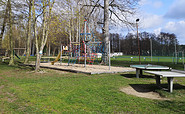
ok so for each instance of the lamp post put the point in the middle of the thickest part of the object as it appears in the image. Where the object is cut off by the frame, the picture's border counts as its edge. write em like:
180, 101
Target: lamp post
137, 20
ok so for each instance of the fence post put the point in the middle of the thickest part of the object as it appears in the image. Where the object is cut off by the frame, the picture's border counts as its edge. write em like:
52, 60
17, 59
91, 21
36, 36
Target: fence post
183, 57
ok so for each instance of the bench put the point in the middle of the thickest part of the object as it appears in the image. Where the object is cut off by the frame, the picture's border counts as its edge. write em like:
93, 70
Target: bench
5, 58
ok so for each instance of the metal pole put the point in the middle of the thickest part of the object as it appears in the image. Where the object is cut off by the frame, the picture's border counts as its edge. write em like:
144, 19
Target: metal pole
183, 57
175, 53
79, 31
119, 44
109, 57
138, 40
85, 42
85, 54
151, 48
61, 55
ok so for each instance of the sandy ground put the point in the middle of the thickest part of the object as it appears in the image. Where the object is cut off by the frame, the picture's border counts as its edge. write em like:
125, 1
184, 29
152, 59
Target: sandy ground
90, 69
142, 92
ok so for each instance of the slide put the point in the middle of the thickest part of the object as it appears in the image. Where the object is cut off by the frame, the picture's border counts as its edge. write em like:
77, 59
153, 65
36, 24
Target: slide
58, 57
17, 56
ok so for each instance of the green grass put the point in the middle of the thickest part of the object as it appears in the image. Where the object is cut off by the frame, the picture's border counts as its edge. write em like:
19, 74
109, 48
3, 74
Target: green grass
148, 58
23, 91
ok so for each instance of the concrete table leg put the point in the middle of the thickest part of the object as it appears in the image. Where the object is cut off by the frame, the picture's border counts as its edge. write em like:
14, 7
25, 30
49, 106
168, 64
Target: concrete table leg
158, 80
170, 84
137, 73
141, 72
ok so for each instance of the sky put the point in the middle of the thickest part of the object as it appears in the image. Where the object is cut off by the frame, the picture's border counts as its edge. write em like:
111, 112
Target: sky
162, 16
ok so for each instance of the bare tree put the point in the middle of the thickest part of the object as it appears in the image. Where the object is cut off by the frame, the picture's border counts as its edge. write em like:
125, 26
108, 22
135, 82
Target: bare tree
11, 62
4, 24
28, 31
45, 28
115, 10
106, 32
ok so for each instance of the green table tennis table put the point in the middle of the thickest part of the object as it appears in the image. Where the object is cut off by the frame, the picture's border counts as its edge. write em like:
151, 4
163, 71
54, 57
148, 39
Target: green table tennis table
140, 68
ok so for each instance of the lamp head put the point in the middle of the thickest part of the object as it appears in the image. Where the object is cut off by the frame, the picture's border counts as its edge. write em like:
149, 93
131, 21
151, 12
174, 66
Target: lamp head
137, 20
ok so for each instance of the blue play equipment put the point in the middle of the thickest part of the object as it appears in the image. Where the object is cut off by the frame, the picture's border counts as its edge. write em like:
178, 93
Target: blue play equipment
85, 50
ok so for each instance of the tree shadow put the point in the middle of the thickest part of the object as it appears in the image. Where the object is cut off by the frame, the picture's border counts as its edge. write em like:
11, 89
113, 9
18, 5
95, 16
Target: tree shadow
144, 87
134, 76
154, 87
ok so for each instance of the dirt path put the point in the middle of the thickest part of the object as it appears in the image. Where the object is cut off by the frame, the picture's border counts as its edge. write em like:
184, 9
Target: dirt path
140, 92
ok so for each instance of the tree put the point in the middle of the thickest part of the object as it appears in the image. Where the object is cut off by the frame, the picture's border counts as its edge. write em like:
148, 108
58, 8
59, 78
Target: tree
45, 28
28, 32
11, 62
4, 24
106, 32
115, 9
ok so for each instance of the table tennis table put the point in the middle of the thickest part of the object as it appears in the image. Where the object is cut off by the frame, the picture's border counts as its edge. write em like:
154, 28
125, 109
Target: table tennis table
169, 74
140, 68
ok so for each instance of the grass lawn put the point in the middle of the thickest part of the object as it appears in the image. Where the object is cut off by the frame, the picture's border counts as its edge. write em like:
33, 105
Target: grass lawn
23, 91
148, 58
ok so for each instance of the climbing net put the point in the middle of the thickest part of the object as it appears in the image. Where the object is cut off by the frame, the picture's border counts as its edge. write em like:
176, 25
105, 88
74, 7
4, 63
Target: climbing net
89, 48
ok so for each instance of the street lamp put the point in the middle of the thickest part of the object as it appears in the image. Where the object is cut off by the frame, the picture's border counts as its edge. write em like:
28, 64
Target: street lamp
137, 20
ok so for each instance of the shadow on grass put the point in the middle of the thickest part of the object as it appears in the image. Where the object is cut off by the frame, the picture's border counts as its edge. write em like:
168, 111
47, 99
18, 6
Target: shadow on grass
144, 87
134, 76
154, 87
17, 65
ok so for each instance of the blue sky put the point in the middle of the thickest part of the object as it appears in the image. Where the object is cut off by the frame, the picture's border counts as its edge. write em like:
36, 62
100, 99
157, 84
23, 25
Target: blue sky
162, 16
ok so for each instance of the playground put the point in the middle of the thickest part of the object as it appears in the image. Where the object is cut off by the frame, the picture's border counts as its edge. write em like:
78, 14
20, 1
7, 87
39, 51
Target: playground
83, 55
91, 57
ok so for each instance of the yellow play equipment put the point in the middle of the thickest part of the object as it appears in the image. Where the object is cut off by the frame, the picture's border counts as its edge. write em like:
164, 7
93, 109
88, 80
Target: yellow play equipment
58, 57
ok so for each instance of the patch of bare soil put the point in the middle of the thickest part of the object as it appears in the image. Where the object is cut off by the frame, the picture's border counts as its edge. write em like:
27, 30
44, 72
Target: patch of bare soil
142, 92
2, 86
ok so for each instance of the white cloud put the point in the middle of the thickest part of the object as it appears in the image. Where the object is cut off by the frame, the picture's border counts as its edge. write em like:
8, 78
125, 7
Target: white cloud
177, 28
176, 10
171, 26
143, 2
157, 31
155, 4
151, 21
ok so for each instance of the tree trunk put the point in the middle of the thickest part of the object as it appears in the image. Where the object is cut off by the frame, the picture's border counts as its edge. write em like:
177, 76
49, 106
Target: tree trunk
44, 32
11, 62
33, 48
28, 32
49, 49
37, 62
4, 24
106, 32
54, 51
